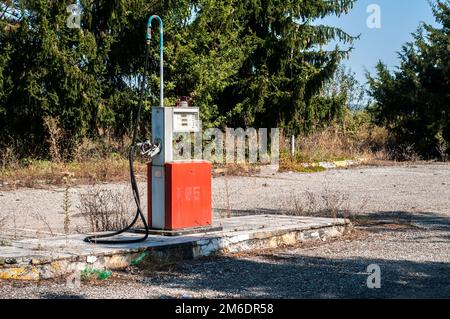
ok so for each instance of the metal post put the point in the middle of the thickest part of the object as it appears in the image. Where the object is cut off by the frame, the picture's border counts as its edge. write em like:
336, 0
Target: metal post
293, 145
161, 50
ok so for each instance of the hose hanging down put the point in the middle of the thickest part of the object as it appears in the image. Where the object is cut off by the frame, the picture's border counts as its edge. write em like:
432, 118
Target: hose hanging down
146, 148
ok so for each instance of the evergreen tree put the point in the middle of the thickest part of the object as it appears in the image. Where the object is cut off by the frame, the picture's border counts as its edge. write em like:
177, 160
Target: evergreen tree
414, 101
278, 80
249, 62
73, 75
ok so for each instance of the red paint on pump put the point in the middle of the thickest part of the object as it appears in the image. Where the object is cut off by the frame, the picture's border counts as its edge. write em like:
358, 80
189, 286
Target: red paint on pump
188, 195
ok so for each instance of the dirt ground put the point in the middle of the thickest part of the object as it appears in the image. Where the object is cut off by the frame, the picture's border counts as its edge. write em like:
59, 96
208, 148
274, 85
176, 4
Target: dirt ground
402, 213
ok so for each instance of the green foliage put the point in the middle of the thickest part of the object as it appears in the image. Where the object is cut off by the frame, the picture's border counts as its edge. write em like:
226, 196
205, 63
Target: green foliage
89, 273
344, 84
279, 79
414, 101
251, 62
50, 70
139, 259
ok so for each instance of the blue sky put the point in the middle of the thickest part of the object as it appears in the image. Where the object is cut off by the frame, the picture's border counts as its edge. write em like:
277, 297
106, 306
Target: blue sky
399, 18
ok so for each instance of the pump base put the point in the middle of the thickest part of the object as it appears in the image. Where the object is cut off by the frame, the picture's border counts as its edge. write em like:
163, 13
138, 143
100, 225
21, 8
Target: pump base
180, 232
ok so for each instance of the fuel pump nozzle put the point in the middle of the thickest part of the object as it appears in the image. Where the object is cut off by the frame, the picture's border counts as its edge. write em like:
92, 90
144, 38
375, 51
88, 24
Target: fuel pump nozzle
150, 149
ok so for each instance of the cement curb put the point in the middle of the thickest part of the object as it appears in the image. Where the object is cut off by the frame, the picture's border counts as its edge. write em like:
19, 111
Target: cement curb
48, 264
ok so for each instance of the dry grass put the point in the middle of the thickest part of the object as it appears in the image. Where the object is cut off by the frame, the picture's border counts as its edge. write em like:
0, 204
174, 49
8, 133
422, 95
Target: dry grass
8, 158
41, 173
235, 169
42, 219
3, 220
328, 203
55, 137
91, 161
115, 168
353, 138
66, 206
104, 160
105, 209
334, 144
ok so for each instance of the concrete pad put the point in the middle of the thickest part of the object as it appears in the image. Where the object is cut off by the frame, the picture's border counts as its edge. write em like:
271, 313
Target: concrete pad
35, 259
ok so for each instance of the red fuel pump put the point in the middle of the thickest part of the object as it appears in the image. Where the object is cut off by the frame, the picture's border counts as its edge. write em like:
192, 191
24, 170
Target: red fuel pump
179, 192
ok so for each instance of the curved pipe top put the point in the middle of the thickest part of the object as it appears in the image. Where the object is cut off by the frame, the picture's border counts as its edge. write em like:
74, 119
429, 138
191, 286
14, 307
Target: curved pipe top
161, 49
149, 27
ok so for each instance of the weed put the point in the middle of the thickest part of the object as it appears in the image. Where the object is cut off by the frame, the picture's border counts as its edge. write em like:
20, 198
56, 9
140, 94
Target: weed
443, 147
5, 243
44, 220
8, 158
89, 274
227, 198
139, 259
3, 221
235, 169
327, 203
105, 209
66, 209
55, 138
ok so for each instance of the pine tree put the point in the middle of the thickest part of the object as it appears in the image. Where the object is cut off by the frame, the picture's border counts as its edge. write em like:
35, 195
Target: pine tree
414, 102
246, 62
278, 80
74, 75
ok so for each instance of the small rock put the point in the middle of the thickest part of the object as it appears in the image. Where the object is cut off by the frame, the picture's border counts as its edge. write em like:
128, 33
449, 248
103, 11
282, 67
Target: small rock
91, 259
35, 261
10, 261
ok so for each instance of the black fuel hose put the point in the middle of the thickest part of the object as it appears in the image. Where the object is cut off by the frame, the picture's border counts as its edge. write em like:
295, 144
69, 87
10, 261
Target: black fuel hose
99, 239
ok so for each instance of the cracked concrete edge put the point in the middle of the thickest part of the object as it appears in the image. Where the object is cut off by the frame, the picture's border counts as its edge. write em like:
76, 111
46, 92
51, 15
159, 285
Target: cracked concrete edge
188, 250
28, 255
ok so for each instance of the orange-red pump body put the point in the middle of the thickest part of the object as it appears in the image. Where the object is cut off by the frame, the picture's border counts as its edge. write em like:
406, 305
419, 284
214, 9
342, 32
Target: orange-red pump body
187, 195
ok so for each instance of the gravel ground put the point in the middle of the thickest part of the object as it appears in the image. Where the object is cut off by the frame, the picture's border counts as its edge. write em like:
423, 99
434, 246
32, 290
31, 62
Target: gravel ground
405, 230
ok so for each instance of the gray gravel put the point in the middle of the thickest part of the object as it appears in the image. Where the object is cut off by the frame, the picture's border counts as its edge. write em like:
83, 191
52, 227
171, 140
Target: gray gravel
406, 232
401, 188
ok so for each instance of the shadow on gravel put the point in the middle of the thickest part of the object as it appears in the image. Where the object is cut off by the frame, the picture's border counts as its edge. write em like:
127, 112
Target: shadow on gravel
287, 276
427, 220
61, 296
421, 219
225, 213
284, 275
